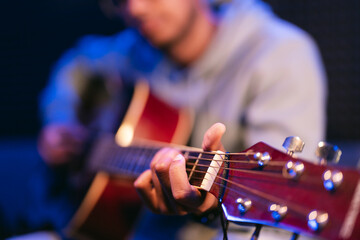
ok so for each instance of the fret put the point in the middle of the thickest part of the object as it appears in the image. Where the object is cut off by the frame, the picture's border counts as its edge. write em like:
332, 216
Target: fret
123, 153
112, 161
131, 160
139, 160
195, 164
144, 161
128, 159
119, 152
134, 161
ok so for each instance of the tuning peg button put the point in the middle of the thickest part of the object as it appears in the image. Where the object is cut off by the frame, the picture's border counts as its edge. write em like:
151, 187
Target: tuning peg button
327, 152
262, 158
278, 212
243, 204
332, 179
293, 170
317, 220
293, 144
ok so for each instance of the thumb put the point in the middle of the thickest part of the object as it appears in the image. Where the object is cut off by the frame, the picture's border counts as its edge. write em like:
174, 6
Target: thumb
212, 138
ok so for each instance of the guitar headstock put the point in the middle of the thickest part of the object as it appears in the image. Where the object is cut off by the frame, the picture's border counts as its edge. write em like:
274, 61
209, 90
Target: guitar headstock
262, 185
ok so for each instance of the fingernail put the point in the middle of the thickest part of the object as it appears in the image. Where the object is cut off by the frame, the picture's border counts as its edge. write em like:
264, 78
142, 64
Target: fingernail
179, 157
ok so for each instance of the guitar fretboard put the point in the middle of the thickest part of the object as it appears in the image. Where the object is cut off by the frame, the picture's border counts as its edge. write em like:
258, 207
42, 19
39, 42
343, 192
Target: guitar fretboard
131, 161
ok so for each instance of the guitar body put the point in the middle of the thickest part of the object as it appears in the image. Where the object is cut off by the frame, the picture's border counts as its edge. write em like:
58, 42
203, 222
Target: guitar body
111, 204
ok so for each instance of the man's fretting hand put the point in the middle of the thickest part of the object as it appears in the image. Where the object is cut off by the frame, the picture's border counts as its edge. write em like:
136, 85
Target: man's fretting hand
165, 187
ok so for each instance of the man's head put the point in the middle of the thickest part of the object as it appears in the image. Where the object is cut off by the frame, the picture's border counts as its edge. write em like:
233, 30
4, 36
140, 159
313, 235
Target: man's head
163, 22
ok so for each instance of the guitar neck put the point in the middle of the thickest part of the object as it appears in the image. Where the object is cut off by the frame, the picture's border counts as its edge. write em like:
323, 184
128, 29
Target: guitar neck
131, 161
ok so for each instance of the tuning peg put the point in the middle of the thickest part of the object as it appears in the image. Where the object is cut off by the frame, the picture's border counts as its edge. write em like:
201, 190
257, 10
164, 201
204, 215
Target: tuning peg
262, 158
327, 152
293, 144
293, 170
243, 204
317, 220
278, 212
332, 179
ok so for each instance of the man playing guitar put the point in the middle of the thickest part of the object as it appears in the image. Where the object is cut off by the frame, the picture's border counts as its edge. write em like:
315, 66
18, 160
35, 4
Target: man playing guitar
238, 64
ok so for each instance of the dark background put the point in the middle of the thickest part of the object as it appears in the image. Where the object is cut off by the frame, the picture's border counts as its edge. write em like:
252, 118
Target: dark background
33, 35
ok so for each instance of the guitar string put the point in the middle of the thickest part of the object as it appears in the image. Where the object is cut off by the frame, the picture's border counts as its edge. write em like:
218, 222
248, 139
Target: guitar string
141, 167
245, 161
254, 192
144, 167
263, 195
296, 210
226, 154
138, 168
213, 153
134, 167
295, 207
239, 161
311, 180
271, 174
305, 182
152, 148
136, 148
182, 150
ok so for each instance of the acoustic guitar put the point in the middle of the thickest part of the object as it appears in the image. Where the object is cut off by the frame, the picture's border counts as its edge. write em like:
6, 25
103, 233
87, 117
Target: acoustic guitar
111, 205
259, 186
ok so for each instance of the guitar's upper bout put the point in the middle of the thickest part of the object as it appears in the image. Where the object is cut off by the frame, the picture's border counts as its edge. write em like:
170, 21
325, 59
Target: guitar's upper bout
150, 118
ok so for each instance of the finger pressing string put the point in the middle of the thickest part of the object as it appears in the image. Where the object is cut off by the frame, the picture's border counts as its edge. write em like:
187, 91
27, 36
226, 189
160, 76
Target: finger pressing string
182, 191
